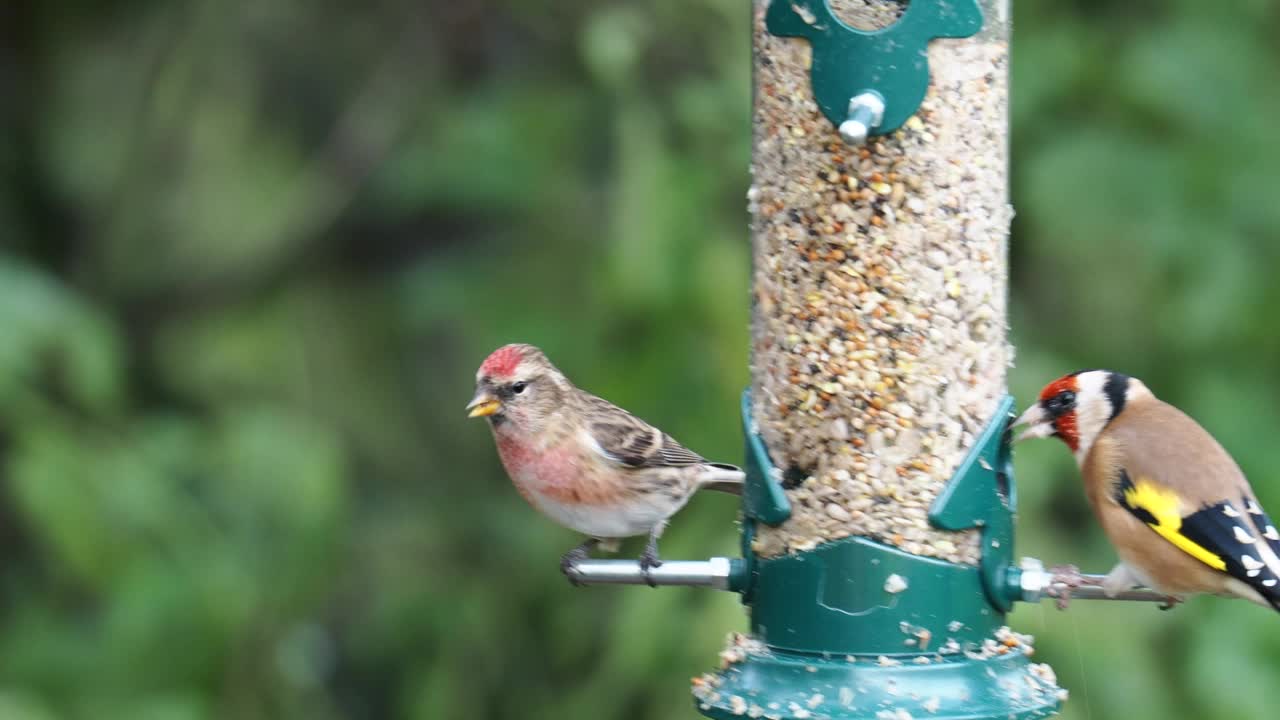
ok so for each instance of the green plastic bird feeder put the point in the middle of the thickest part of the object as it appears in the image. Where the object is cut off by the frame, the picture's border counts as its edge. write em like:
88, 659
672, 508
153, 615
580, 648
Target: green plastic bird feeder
876, 296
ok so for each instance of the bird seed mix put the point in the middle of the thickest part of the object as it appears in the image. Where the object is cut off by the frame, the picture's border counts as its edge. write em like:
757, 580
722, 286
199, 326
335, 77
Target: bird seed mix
880, 275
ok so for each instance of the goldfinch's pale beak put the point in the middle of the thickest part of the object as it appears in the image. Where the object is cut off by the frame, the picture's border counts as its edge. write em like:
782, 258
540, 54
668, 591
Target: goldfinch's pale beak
483, 405
1040, 424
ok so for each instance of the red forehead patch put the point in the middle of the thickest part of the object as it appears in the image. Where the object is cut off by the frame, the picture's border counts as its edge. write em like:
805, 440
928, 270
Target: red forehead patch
503, 361
1066, 382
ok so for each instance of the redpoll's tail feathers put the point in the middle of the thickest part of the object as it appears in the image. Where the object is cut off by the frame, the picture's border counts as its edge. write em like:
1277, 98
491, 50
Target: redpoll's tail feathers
723, 477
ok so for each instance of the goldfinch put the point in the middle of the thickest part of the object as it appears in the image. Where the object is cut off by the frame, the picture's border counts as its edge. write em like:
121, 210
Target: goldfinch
584, 462
1178, 509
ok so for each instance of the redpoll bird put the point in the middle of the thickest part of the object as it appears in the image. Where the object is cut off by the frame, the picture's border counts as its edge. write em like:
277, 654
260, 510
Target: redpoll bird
1175, 505
584, 462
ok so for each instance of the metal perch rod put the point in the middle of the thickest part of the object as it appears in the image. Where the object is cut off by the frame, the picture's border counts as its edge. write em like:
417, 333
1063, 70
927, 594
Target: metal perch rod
718, 572
714, 573
1094, 592
1036, 582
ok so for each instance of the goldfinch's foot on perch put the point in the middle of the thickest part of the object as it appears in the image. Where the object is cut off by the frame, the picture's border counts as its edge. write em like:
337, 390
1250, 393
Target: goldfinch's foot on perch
1066, 578
1170, 602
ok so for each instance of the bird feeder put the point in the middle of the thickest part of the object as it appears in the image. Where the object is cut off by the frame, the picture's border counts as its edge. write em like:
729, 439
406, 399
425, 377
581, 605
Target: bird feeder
878, 510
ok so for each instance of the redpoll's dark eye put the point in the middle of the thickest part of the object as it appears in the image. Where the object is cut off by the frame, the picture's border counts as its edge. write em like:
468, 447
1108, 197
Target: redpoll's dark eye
519, 387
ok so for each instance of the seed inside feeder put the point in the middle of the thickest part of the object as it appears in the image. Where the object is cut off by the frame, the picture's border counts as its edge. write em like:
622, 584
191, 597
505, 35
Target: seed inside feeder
879, 349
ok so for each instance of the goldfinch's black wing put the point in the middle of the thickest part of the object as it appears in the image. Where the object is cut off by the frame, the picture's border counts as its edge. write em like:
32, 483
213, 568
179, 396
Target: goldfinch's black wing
1270, 537
1233, 536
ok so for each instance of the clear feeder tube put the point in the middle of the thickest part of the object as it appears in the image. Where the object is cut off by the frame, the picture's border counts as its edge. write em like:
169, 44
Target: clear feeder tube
880, 280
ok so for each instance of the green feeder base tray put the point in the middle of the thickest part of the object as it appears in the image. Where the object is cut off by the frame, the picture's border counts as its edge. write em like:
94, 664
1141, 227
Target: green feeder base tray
873, 630
795, 687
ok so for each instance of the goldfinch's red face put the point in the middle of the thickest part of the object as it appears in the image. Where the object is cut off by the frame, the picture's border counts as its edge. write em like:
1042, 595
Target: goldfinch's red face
1076, 408
1054, 414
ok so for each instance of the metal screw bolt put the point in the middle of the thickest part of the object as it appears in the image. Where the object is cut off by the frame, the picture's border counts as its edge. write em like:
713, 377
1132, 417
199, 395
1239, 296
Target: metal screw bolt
1034, 579
866, 111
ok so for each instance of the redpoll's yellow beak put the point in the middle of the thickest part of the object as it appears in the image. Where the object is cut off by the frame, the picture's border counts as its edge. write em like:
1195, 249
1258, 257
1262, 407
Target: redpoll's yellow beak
483, 405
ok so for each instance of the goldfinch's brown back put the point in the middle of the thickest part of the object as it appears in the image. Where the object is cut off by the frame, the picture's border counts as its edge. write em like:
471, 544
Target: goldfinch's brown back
1159, 466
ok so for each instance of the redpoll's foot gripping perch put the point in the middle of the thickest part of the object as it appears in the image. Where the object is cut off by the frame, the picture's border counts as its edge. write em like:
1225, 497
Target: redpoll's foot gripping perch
649, 558
570, 560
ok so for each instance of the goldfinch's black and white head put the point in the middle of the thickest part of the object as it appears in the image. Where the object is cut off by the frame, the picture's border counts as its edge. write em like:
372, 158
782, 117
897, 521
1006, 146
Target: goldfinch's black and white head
1076, 407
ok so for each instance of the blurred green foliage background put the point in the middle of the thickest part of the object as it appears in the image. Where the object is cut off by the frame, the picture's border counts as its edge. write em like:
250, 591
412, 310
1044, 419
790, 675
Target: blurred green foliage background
254, 251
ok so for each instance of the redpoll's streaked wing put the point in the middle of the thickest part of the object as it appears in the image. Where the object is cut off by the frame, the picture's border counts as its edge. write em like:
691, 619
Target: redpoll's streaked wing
626, 439
636, 444
632, 443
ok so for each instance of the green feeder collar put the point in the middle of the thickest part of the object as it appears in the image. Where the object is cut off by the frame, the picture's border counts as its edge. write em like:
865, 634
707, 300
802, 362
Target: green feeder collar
870, 82
980, 495
855, 627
